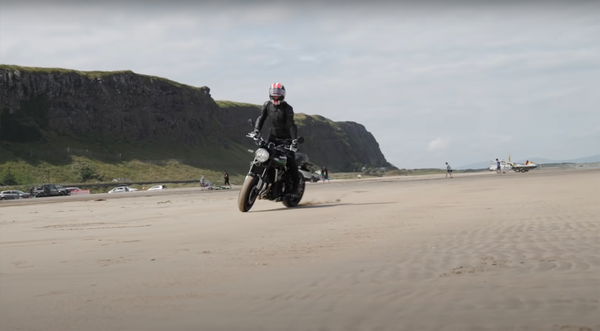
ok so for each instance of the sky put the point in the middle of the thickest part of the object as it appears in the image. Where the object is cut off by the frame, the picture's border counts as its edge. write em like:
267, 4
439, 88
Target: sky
462, 82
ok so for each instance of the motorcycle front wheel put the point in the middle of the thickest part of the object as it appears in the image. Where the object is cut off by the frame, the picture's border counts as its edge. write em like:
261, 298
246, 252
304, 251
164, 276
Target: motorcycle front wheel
293, 202
248, 193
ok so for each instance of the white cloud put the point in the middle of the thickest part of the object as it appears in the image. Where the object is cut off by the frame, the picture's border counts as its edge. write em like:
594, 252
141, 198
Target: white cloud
438, 144
474, 73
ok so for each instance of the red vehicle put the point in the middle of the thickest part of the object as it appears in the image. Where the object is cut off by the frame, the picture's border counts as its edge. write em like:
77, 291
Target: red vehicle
76, 190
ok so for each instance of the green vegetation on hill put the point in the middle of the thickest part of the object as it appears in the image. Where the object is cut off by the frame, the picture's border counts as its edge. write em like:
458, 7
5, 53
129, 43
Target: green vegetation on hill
90, 74
93, 74
64, 160
233, 104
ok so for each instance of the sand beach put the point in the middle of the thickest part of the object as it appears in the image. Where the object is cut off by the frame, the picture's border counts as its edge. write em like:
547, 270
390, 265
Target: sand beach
475, 252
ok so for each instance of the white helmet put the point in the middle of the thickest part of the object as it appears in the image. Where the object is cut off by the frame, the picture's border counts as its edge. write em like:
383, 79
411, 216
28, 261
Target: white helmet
277, 93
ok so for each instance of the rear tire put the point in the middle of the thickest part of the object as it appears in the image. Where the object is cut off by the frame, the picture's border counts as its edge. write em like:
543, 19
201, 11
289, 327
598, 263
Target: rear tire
248, 193
299, 193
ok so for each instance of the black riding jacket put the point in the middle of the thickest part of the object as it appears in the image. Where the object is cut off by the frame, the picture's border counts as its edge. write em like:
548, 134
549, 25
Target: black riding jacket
282, 121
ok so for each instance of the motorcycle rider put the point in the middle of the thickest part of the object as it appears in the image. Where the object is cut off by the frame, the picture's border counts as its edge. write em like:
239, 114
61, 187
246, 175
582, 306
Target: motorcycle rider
283, 129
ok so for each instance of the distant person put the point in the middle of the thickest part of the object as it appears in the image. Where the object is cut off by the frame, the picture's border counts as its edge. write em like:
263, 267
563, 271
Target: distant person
498, 167
202, 182
326, 175
226, 179
448, 170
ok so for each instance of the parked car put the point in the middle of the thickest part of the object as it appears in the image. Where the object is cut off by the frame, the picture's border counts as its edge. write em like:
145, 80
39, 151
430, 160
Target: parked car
309, 176
23, 195
157, 187
49, 190
72, 189
14, 194
120, 189
76, 190
306, 168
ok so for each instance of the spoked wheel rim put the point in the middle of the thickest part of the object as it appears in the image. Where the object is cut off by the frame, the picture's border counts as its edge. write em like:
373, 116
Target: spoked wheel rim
248, 193
299, 192
252, 195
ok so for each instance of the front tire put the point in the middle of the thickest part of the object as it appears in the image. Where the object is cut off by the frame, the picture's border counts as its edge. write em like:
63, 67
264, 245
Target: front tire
248, 193
293, 202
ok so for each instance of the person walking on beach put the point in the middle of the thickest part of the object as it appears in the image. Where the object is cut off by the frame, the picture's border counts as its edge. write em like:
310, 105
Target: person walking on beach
498, 167
448, 170
226, 179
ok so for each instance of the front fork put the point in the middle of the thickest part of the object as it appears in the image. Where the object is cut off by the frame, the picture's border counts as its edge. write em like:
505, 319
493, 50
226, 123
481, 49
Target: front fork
258, 172
269, 184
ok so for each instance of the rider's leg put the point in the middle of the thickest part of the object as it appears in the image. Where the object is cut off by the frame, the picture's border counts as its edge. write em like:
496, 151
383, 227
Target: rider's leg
293, 172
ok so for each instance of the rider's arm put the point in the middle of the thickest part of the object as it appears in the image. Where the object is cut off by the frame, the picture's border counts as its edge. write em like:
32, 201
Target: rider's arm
260, 121
291, 124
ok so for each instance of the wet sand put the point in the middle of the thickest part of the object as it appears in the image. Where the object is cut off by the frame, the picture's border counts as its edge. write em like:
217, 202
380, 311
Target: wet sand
476, 252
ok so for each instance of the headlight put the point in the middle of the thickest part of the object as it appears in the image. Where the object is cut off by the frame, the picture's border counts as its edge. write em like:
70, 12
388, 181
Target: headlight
261, 155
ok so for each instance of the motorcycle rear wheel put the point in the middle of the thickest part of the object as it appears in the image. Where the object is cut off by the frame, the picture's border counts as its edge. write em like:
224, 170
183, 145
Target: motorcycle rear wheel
293, 202
248, 193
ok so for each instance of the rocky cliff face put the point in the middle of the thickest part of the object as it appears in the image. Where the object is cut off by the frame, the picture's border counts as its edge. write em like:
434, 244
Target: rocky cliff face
123, 106
120, 105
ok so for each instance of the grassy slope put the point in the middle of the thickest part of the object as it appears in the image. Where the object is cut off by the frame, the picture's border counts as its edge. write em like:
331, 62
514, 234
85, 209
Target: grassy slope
61, 160
91, 74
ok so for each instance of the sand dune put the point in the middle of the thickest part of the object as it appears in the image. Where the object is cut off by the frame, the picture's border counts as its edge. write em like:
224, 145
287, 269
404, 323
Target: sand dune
480, 252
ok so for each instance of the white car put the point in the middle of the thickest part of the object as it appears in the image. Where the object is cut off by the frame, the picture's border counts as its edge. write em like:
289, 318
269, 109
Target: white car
14, 194
157, 187
309, 176
120, 189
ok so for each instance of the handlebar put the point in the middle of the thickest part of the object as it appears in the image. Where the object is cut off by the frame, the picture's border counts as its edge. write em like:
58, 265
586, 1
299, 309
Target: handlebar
292, 146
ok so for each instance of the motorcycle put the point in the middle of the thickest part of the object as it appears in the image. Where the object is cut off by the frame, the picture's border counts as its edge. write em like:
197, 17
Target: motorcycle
268, 177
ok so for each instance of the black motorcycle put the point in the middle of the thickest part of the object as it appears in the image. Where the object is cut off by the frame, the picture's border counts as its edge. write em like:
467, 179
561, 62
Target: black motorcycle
268, 177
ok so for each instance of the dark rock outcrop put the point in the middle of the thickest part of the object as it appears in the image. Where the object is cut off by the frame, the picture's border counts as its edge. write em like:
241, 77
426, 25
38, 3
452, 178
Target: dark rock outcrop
110, 105
37, 103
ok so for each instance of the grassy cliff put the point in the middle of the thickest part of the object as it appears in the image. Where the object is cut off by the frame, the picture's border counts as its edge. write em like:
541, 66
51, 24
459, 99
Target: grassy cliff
68, 126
